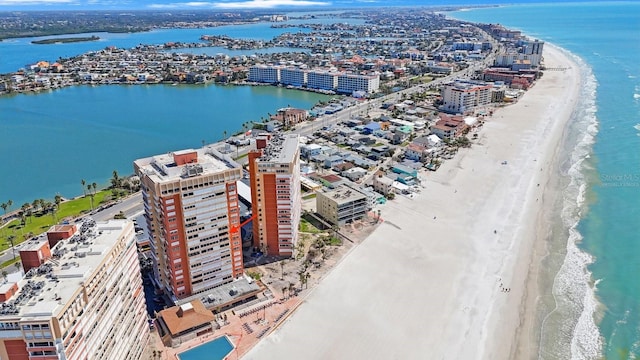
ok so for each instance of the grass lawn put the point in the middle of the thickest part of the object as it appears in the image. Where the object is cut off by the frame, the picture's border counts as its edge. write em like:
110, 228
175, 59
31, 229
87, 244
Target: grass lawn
307, 227
40, 223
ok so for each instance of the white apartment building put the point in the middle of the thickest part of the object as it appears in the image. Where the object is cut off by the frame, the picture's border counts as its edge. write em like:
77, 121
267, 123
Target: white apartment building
293, 76
348, 83
87, 302
324, 80
459, 97
264, 73
192, 211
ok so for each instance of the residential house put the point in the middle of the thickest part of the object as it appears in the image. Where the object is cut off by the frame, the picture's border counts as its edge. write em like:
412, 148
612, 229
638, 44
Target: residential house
354, 173
383, 184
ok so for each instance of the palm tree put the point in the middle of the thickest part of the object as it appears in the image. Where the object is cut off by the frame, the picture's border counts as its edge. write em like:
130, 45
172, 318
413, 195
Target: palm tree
10, 239
4, 207
282, 269
115, 180
58, 200
9, 203
284, 289
4, 275
94, 186
35, 204
91, 195
84, 193
224, 135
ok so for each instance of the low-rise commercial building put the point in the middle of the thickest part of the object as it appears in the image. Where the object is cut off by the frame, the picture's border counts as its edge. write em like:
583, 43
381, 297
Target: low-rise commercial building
342, 205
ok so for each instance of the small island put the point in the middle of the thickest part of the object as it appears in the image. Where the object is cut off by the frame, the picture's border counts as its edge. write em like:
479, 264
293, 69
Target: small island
66, 40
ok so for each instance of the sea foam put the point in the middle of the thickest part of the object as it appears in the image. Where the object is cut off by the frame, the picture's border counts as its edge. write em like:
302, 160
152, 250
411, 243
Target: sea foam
573, 288
574, 277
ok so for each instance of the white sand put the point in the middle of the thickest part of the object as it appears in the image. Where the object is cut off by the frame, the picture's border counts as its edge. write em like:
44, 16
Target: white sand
425, 288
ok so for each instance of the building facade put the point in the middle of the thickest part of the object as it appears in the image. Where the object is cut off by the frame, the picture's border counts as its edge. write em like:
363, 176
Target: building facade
293, 76
460, 97
276, 201
264, 73
342, 205
192, 212
350, 83
323, 80
87, 302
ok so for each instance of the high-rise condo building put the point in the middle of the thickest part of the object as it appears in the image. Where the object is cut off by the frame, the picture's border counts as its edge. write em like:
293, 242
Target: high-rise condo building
274, 170
192, 212
86, 302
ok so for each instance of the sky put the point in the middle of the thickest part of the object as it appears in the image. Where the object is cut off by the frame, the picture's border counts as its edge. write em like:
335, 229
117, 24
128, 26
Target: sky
40, 5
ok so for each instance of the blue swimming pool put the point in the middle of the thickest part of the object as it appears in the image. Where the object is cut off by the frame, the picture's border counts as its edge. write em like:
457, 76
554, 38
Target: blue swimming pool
213, 350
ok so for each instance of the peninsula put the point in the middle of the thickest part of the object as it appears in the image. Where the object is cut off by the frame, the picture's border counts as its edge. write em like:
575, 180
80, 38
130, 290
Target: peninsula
66, 40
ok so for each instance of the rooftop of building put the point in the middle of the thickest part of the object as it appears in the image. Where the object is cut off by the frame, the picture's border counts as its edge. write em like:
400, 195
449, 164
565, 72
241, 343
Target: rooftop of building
281, 148
186, 316
172, 166
343, 194
225, 294
34, 244
45, 290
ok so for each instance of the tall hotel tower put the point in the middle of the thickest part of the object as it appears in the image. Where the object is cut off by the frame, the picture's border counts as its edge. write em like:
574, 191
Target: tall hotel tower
191, 205
275, 193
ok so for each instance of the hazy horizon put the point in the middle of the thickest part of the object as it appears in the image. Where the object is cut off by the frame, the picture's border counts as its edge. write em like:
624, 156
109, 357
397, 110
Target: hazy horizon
231, 5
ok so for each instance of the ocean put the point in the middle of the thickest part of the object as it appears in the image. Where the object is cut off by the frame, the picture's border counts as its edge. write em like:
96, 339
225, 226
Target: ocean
591, 306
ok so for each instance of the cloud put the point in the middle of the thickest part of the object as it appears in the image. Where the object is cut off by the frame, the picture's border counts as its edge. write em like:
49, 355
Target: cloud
251, 4
35, 2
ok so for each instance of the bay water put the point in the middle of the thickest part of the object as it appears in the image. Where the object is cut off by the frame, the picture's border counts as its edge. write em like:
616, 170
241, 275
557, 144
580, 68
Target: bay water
52, 140
591, 305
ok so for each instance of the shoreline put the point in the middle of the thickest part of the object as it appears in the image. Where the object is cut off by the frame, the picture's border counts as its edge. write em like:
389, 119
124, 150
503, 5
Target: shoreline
467, 288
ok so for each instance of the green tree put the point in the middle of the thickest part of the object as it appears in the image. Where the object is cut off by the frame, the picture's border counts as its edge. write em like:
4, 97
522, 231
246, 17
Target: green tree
84, 183
10, 239
94, 186
115, 180
4, 207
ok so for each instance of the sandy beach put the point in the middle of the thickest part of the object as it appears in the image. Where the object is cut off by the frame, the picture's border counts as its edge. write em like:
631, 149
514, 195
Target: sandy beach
449, 274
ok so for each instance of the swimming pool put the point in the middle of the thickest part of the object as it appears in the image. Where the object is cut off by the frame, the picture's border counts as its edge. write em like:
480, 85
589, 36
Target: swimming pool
213, 350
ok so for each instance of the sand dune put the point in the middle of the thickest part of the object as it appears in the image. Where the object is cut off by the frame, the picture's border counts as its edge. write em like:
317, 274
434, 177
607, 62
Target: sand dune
430, 282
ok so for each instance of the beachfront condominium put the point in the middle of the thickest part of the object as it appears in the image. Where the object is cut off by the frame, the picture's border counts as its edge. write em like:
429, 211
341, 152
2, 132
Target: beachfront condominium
192, 212
274, 169
459, 97
86, 302
342, 205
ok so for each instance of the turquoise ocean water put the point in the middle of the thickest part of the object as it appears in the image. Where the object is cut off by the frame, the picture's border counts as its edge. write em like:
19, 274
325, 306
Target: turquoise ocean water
595, 310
